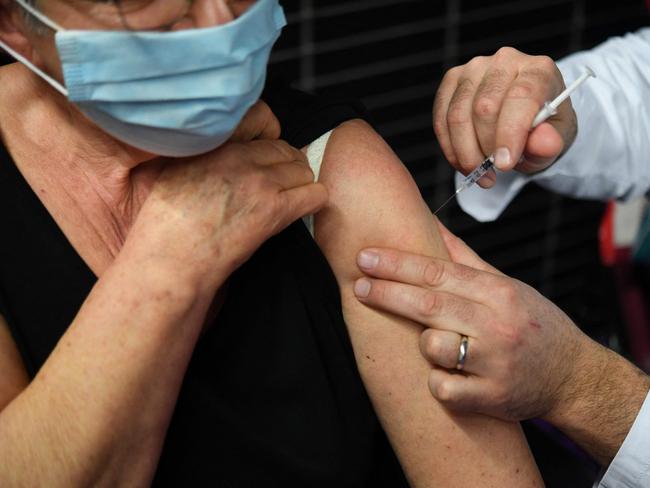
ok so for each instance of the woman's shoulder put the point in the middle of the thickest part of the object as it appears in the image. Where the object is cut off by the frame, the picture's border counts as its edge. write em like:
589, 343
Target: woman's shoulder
357, 153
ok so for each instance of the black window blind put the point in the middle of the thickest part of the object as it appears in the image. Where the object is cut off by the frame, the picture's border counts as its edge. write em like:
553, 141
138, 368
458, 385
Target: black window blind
392, 54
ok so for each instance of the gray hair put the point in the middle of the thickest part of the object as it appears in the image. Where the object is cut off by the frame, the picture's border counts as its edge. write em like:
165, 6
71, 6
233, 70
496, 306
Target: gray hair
32, 22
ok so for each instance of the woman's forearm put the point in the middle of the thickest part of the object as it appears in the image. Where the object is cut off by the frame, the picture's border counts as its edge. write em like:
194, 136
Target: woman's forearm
98, 410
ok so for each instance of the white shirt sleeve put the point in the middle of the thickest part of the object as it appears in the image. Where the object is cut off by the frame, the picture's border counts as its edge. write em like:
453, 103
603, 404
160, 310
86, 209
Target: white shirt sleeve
631, 466
610, 157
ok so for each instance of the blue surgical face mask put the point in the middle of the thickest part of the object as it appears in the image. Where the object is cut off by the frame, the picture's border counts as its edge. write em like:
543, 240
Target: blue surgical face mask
174, 94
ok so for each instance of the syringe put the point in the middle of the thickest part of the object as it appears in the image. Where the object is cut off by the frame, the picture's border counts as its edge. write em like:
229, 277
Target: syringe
548, 110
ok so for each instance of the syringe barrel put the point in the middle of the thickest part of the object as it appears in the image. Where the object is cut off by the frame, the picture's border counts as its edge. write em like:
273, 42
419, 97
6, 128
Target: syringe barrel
479, 172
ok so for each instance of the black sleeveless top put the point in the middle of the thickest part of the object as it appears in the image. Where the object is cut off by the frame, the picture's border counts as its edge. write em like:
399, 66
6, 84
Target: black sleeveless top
272, 396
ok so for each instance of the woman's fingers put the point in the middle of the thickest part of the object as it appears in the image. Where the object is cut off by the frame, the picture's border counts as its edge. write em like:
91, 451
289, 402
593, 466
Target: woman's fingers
258, 123
270, 152
442, 349
289, 175
303, 200
286, 166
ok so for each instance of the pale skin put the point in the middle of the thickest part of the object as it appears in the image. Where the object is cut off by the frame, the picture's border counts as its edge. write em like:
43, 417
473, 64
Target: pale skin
526, 357
122, 355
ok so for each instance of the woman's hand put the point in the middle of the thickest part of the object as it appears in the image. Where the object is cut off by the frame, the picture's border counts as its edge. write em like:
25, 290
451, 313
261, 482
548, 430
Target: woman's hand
259, 123
127, 350
523, 352
487, 106
206, 215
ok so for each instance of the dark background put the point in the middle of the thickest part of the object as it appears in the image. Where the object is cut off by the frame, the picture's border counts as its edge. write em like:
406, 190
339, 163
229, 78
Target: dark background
392, 54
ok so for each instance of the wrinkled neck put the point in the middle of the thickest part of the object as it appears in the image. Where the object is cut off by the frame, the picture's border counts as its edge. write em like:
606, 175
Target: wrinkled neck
91, 184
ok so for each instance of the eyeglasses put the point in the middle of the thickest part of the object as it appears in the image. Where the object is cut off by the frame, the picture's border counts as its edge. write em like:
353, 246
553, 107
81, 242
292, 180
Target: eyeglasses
140, 14
137, 15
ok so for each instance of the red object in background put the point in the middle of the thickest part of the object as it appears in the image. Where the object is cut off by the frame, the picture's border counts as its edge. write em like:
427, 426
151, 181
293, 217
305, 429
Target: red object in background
634, 308
631, 297
606, 236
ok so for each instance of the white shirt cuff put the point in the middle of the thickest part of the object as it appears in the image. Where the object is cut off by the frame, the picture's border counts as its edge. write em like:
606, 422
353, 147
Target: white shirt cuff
631, 466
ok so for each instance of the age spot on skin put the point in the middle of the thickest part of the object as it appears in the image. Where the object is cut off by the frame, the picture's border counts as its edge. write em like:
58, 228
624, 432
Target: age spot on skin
535, 325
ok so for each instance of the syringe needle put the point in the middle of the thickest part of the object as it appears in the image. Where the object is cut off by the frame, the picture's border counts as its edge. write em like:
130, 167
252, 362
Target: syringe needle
470, 179
449, 199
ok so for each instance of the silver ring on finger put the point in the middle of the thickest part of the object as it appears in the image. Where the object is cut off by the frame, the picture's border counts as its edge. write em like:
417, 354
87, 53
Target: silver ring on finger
462, 352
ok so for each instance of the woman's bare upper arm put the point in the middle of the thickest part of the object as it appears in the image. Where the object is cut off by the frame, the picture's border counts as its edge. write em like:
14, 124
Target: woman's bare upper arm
375, 202
13, 376
373, 199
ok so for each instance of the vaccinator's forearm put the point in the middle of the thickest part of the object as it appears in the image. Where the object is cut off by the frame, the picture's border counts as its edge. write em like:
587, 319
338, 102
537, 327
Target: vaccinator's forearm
600, 404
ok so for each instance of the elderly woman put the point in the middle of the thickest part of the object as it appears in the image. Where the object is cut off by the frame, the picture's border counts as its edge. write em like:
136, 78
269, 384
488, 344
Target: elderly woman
154, 327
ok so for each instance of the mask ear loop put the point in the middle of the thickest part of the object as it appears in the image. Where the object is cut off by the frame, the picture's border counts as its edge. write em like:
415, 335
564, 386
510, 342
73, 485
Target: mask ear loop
52, 25
55, 84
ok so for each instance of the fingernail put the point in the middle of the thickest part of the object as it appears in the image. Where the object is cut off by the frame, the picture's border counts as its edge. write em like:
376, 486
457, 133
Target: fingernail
362, 288
368, 259
502, 158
